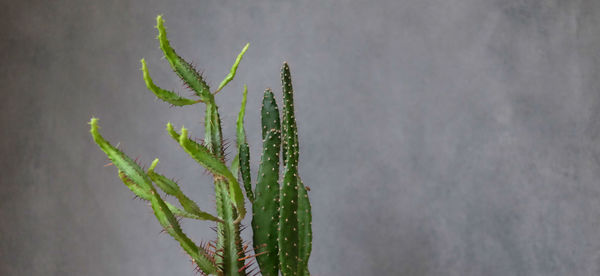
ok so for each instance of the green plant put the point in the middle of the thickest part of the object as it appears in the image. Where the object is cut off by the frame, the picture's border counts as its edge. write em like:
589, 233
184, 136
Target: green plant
281, 214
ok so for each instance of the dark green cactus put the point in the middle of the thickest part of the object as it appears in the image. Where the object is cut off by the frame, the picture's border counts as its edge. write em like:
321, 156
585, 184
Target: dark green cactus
281, 216
265, 209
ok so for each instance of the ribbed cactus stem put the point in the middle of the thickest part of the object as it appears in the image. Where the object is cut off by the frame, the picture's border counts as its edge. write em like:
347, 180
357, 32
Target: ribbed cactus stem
265, 208
288, 215
295, 234
304, 229
228, 232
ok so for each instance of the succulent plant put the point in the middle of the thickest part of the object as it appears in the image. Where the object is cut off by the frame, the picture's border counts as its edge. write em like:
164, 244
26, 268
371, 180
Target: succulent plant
281, 211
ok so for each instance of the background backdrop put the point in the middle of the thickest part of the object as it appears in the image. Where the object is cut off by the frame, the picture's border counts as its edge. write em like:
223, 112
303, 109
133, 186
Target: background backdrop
439, 137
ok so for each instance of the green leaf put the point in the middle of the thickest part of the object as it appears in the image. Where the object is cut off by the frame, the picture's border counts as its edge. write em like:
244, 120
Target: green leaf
171, 188
165, 95
172, 132
240, 132
140, 182
180, 66
205, 158
167, 185
135, 188
169, 222
176, 211
233, 70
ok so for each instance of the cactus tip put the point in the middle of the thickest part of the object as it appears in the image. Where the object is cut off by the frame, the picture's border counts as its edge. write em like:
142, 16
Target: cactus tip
184, 132
94, 125
153, 165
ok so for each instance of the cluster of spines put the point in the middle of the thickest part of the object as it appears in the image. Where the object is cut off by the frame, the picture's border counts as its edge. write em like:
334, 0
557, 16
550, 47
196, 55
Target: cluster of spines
281, 215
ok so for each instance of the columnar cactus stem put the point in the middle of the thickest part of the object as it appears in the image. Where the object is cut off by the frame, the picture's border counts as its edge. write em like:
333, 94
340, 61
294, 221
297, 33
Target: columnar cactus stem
304, 229
288, 216
229, 242
265, 210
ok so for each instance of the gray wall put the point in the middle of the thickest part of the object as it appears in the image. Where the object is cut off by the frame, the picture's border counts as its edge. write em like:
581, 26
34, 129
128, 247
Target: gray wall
439, 137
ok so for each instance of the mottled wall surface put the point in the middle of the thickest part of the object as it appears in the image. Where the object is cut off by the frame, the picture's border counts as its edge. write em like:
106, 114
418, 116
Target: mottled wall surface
446, 137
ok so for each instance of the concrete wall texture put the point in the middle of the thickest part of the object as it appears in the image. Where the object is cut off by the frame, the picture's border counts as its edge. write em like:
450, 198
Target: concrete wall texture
439, 137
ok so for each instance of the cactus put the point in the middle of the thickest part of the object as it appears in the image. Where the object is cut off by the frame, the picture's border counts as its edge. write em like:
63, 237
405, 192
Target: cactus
281, 214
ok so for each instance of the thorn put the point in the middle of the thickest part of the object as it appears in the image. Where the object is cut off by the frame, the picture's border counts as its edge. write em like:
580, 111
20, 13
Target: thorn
243, 250
244, 267
252, 256
108, 165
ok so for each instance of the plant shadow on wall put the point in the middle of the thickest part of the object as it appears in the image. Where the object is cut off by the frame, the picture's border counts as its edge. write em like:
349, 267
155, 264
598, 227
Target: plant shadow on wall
281, 214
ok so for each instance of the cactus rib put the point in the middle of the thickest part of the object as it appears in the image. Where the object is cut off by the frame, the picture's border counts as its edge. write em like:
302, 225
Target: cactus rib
304, 229
266, 204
